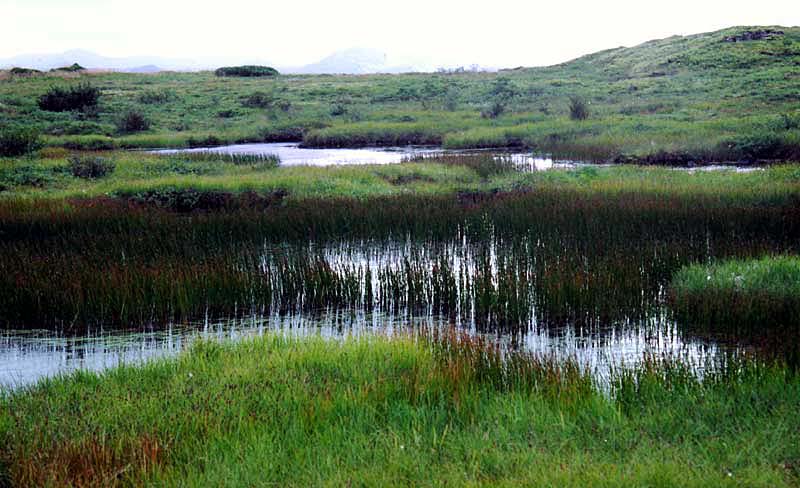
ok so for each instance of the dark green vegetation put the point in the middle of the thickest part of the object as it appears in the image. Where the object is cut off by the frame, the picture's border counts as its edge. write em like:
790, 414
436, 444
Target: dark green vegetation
73, 68
758, 295
17, 140
676, 100
247, 71
76, 98
388, 412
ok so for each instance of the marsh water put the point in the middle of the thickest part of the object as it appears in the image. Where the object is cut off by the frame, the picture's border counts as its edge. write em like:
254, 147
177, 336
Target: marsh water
597, 299
291, 154
510, 292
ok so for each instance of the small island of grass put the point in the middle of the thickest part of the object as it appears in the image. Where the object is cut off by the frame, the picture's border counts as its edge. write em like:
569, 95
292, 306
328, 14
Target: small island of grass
736, 296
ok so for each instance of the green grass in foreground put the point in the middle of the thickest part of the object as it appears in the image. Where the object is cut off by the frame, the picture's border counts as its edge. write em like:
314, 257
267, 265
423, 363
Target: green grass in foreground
386, 412
753, 295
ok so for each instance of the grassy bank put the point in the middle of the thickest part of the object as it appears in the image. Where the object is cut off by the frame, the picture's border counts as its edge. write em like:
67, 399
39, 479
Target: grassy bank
49, 174
675, 100
757, 296
377, 411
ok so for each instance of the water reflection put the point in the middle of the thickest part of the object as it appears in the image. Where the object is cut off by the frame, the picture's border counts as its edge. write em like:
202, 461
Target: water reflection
291, 154
27, 356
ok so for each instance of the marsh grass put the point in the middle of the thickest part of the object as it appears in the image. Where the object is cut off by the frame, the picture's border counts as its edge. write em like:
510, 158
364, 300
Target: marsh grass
584, 247
259, 160
752, 297
405, 410
485, 165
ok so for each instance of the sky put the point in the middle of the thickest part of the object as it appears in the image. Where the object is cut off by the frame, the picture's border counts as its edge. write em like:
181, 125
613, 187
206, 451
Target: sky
496, 33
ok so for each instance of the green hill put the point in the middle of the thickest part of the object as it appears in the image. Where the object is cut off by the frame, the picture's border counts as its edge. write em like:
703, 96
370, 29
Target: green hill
733, 94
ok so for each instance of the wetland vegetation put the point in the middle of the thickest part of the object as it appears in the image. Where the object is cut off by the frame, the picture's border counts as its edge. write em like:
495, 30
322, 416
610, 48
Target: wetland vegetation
470, 252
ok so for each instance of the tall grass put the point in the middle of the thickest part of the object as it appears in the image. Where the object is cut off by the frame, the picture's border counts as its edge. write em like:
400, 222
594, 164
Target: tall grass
429, 410
555, 255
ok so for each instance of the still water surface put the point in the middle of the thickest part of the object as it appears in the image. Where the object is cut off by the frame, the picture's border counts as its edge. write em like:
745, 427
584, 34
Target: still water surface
27, 356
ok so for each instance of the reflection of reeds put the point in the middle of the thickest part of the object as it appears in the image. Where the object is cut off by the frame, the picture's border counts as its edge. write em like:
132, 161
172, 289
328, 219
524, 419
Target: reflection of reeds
499, 260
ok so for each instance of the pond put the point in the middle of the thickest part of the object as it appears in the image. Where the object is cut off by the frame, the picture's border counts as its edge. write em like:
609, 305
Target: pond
291, 154
578, 275
522, 293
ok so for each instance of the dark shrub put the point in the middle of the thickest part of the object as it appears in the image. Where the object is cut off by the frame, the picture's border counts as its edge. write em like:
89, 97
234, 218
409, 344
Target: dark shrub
156, 97
205, 142
78, 97
75, 67
758, 146
502, 92
24, 71
578, 109
451, 99
258, 100
246, 71
338, 109
493, 110
133, 121
90, 167
192, 200
16, 141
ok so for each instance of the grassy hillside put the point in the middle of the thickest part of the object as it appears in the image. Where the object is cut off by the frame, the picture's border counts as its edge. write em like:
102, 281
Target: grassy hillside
698, 97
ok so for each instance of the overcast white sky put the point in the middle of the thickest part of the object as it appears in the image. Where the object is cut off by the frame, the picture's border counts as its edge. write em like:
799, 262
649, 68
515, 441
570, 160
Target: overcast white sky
499, 33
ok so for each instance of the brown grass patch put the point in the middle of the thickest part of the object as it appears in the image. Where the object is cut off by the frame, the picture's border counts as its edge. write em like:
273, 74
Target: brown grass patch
88, 463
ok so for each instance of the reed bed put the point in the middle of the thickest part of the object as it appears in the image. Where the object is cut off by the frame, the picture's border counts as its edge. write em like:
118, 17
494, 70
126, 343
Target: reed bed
485, 165
446, 408
260, 160
499, 260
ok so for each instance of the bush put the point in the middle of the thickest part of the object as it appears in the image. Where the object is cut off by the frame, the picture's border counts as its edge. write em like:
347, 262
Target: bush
156, 97
78, 97
75, 67
493, 110
578, 109
16, 141
502, 92
246, 71
758, 146
133, 121
24, 71
258, 100
451, 100
90, 167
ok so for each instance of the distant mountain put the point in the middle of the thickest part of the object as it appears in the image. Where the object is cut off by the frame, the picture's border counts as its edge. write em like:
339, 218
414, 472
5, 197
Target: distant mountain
150, 68
92, 60
348, 61
359, 61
